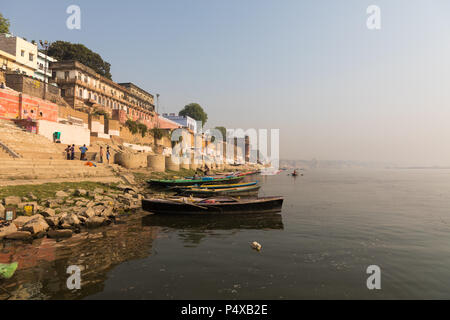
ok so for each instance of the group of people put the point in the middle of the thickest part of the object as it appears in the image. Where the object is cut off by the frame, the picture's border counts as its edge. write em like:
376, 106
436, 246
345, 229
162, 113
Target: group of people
70, 152
205, 171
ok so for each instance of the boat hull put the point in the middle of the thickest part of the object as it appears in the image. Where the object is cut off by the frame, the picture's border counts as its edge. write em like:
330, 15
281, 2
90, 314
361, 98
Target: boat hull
177, 183
204, 192
254, 206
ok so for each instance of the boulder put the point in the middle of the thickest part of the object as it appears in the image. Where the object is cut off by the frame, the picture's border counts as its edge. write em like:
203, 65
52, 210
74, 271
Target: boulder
80, 203
95, 222
7, 230
81, 192
48, 212
69, 220
57, 234
2, 211
52, 204
52, 221
99, 190
61, 194
107, 212
20, 221
12, 200
88, 213
35, 225
32, 196
19, 235
98, 209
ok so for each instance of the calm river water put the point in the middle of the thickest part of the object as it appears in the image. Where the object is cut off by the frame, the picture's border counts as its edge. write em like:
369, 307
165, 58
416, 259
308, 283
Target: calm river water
334, 224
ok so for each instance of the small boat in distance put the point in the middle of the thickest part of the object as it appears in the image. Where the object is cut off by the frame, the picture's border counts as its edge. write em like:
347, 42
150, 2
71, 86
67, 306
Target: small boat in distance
220, 206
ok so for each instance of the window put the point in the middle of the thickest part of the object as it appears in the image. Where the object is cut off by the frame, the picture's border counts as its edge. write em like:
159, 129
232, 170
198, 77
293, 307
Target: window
66, 75
22, 53
81, 92
31, 56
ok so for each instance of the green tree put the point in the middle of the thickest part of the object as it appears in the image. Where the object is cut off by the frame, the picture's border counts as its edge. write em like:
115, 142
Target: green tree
4, 24
222, 130
63, 50
195, 111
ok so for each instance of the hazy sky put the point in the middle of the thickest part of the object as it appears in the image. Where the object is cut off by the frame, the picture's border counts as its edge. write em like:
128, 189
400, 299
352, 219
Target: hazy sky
335, 89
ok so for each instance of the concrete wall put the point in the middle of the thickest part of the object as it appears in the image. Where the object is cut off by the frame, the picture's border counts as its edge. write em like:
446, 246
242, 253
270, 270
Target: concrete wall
32, 87
14, 105
70, 134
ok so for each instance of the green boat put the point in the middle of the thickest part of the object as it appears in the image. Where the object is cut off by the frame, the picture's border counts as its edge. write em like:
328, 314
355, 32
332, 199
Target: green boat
236, 191
191, 182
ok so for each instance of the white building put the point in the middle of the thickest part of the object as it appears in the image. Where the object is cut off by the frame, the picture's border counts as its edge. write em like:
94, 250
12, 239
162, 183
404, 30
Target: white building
43, 72
184, 121
24, 52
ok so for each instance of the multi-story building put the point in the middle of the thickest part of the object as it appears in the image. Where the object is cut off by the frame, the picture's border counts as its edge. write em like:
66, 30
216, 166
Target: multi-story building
83, 89
184, 121
21, 55
43, 71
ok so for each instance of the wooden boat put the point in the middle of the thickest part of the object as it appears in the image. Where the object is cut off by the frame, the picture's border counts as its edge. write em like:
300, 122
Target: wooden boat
248, 173
219, 186
212, 192
226, 205
191, 182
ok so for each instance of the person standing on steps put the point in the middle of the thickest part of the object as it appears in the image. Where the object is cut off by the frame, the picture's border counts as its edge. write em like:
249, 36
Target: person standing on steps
83, 150
108, 154
67, 150
101, 154
72, 152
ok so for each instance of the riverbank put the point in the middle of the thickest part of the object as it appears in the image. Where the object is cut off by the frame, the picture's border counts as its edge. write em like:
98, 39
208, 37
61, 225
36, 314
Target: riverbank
59, 210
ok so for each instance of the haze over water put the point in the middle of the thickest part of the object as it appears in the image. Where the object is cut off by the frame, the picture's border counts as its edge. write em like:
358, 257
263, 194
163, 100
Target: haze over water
334, 224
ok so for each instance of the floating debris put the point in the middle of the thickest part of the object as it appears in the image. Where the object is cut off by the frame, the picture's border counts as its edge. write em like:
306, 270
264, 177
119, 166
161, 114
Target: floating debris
255, 245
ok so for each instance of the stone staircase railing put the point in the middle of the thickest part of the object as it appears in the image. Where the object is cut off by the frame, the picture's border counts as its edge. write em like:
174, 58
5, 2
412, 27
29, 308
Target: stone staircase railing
9, 150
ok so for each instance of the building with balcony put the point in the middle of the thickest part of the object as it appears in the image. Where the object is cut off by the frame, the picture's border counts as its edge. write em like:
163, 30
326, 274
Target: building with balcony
43, 71
18, 55
83, 89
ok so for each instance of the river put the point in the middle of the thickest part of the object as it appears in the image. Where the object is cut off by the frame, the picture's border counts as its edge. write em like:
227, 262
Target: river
334, 224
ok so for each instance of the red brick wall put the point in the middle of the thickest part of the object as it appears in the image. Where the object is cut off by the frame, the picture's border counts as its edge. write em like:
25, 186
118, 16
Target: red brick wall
16, 106
9, 104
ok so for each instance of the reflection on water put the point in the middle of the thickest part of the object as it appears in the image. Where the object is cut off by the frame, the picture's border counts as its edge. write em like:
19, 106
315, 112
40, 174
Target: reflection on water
43, 263
194, 228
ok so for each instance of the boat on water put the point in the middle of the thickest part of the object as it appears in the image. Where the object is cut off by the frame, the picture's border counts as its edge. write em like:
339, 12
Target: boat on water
226, 205
248, 173
191, 182
213, 192
219, 186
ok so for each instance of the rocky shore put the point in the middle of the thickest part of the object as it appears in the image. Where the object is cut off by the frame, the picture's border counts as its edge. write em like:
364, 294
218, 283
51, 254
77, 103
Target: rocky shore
60, 210
68, 211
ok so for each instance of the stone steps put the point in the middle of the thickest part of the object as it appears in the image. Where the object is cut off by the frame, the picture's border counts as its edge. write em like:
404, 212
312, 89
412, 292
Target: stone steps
35, 169
27, 144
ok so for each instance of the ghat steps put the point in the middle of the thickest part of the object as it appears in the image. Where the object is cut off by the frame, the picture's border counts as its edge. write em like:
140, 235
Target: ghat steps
47, 169
15, 141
